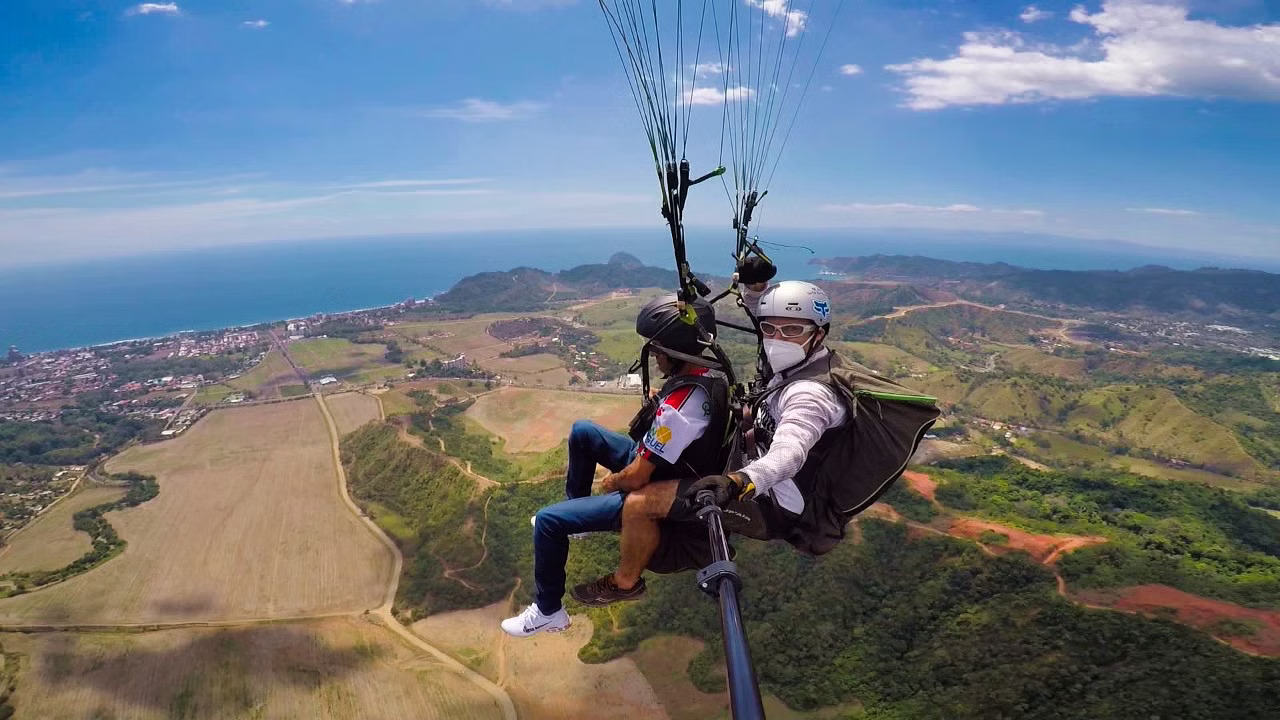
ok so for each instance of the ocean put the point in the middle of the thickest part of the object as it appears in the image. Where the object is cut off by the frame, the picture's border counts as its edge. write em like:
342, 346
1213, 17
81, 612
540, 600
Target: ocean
49, 307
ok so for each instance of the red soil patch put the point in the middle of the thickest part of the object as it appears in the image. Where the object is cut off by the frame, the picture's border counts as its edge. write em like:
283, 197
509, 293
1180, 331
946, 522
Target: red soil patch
1198, 612
922, 484
1043, 548
883, 512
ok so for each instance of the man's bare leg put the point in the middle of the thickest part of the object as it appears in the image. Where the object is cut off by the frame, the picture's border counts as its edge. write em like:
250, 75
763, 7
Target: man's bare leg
640, 533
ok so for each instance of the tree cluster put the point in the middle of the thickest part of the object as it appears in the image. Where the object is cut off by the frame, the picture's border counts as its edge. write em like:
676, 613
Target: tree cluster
106, 543
1203, 540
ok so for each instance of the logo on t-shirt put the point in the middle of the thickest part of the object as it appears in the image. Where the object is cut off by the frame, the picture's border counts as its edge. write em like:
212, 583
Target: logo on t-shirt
661, 436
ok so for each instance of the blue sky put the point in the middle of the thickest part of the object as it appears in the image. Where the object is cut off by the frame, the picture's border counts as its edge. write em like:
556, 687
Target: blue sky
127, 128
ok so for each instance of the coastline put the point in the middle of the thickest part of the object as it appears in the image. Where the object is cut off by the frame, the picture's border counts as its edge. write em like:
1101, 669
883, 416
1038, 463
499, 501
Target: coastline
224, 328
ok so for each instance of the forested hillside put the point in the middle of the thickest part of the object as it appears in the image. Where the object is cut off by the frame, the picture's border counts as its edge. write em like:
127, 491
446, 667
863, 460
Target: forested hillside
909, 626
432, 510
1215, 410
1210, 292
528, 289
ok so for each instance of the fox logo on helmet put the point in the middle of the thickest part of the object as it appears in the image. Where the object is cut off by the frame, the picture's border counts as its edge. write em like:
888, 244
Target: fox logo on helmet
823, 309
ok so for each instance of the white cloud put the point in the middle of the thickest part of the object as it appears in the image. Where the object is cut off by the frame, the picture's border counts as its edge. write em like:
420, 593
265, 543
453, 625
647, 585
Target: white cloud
707, 69
1164, 211
49, 188
1141, 48
154, 9
255, 24
1034, 14
795, 19
475, 110
399, 184
916, 209
851, 69
265, 211
716, 96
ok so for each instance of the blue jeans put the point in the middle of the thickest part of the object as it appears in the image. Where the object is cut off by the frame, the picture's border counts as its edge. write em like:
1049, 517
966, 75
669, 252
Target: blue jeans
552, 527
589, 445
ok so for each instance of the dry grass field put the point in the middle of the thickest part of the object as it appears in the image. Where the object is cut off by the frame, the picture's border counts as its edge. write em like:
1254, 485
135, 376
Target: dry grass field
886, 358
534, 420
249, 524
456, 336
351, 410
337, 356
527, 365
51, 542
543, 674
335, 669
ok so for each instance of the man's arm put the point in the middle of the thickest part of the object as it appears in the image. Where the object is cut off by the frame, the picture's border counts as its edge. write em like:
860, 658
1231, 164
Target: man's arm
632, 477
683, 418
808, 411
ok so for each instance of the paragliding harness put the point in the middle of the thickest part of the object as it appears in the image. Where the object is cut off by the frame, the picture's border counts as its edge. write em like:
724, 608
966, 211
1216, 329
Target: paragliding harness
708, 453
751, 132
852, 465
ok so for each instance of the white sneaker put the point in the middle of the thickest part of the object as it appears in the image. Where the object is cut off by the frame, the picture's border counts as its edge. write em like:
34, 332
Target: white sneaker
532, 622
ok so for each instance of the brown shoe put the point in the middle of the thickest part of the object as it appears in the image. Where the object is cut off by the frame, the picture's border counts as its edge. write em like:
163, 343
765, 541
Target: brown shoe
604, 591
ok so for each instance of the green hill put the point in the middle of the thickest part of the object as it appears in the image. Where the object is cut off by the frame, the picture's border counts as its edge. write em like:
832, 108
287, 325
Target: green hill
947, 335
1153, 419
1022, 400
1207, 292
930, 628
1202, 540
433, 510
908, 627
528, 289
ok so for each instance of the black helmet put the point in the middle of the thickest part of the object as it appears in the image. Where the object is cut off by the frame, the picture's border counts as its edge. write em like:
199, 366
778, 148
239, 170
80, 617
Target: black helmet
659, 321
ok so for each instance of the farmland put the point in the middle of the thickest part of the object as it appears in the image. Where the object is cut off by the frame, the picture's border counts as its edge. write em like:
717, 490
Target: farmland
356, 362
470, 337
351, 410
532, 420
263, 381
572, 690
335, 669
50, 542
248, 524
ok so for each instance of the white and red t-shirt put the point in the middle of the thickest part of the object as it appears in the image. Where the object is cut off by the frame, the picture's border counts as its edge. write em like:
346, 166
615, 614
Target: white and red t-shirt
681, 418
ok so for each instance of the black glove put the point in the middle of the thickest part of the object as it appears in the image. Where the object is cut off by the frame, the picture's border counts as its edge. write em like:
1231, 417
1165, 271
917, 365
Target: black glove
725, 488
756, 269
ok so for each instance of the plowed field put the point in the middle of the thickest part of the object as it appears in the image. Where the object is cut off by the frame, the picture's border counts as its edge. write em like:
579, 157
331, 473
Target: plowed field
249, 524
51, 542
533, 420
351, 410
543, 674
337, 669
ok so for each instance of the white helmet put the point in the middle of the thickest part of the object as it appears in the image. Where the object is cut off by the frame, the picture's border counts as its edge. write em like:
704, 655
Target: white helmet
792, 298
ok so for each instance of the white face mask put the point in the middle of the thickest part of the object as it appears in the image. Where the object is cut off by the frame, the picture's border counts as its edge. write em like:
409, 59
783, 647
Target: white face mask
783, 355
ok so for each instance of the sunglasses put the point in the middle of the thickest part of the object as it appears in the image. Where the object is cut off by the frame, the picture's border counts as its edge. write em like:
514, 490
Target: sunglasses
786, 331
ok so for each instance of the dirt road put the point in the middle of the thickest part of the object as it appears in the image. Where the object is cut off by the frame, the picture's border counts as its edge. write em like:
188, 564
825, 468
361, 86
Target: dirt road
384, 612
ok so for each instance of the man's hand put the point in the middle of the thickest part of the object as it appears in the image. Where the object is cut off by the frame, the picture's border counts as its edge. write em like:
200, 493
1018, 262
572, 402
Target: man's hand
755, 270
725, 487
609, 483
